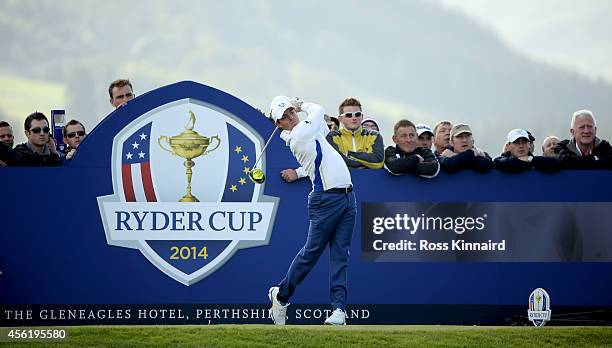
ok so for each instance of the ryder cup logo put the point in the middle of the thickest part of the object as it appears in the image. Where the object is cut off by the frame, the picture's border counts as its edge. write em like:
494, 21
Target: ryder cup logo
182, 196
539, 307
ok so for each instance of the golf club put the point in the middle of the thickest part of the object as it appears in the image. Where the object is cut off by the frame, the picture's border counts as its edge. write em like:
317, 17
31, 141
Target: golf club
255, 174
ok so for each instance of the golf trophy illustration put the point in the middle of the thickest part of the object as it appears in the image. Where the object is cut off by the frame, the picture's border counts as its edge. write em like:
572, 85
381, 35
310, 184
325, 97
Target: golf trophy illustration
189, 145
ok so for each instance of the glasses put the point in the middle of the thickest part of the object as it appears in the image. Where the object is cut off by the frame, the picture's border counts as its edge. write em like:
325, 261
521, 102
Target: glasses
38, 130
74, 134
351, 114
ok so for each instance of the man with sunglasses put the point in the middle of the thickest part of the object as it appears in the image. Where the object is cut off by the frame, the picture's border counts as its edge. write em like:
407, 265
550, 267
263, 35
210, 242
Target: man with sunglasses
359, 147
331, 206
74, 133
120, 92
40, 150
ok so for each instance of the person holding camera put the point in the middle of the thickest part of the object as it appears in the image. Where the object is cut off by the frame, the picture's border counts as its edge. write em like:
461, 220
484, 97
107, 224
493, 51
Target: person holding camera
39, 150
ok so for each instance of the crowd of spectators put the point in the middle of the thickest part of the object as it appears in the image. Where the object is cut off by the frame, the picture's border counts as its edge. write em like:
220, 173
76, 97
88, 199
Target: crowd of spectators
423, 151
417, 148
40, 149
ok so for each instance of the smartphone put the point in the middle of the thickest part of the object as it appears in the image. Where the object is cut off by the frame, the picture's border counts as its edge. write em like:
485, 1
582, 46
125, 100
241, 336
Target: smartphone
58, 120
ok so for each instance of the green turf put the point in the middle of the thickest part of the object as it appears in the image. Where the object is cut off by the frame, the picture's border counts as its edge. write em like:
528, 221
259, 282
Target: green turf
325, 336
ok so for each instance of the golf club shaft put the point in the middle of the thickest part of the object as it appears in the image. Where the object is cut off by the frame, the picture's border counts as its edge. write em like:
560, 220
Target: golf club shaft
264, 149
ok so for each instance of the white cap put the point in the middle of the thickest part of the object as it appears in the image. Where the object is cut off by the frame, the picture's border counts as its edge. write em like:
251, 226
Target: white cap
515, 134
423, 128
278, 105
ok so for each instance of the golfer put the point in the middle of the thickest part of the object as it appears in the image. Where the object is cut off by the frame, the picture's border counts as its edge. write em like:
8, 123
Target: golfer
331, 206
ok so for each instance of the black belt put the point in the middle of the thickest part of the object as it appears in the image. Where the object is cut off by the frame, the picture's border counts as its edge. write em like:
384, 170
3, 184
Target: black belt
344, 190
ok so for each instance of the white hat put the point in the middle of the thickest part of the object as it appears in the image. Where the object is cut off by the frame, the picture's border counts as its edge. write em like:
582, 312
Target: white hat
423, 128
517, 134
278, 105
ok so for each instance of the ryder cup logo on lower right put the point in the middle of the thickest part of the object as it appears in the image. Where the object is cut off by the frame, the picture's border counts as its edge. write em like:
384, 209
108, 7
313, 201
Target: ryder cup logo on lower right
539, 307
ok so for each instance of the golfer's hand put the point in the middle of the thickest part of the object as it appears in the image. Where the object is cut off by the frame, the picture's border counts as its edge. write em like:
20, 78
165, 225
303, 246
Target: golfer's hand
289, 175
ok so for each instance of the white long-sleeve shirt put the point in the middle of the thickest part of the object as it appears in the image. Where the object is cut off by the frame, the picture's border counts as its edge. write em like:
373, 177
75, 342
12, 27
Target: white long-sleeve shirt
318, 158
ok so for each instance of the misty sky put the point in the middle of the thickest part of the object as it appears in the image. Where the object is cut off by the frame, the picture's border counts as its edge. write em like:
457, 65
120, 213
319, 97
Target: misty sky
574, 34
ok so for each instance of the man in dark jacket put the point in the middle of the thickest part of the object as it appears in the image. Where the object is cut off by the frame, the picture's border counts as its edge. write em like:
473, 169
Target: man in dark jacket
584, 150
519, 159
406, 157
40, 150
463, 154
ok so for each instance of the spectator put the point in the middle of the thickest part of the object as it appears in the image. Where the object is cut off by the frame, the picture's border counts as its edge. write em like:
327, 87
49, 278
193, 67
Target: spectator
548, 146
425, 135
519, 159
359, 147
74, 133
584, 150
120, 92
370, 123
6, 134
531, 142
40, 150
442, 137
463, 154
406, 156
332, 123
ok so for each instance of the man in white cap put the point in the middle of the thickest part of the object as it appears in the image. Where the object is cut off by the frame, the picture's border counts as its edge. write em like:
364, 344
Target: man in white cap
425, 135
584, 150
519, 159
331, 205
462, 153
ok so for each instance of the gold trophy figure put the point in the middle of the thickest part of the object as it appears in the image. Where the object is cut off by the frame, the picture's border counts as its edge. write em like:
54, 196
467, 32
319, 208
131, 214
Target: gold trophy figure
189, 145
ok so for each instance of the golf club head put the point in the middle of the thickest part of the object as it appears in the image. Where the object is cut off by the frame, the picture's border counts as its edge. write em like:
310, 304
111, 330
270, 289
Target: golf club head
257, 176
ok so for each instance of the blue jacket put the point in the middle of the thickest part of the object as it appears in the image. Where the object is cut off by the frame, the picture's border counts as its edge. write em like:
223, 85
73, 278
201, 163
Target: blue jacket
510, 164
466, 160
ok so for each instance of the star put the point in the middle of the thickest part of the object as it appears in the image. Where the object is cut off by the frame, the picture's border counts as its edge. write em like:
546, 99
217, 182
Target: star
238, 149
141, 154
233, 188
128, 155
246, 170
245, 158
143, 136
242, 181
135, 145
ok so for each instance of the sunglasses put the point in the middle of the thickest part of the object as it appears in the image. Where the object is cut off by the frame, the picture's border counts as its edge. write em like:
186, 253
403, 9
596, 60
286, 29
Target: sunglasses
38, 130
74, 134
351, 114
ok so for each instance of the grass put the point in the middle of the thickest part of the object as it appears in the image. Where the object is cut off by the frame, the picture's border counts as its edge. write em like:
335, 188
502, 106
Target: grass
325, 336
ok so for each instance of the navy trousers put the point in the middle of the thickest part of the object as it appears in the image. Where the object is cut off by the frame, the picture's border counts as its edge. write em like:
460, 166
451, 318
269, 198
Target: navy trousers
332, 220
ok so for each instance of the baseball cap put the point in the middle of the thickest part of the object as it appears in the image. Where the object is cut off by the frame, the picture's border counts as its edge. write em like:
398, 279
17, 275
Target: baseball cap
423, 128
459, 129
516, 134
278, 105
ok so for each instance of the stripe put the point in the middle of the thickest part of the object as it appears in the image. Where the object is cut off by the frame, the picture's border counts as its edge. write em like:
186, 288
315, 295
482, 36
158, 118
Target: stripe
128, 188
318, 183
137, 182
147, 181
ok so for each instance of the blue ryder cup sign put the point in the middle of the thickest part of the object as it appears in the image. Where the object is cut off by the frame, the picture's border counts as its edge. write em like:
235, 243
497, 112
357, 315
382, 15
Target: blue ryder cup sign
182, 196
